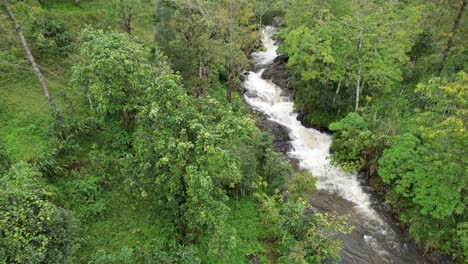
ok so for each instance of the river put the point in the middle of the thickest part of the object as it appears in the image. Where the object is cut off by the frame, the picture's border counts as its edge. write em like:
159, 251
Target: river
375, 239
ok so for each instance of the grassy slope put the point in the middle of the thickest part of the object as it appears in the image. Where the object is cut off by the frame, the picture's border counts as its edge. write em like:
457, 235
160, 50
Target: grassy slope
245, 218
24, 126
21, 117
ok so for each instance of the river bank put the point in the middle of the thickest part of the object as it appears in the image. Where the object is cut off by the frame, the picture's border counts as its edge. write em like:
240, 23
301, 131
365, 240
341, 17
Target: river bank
377, 237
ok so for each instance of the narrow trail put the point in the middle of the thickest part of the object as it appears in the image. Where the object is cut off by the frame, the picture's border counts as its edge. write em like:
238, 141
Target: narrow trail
373, 240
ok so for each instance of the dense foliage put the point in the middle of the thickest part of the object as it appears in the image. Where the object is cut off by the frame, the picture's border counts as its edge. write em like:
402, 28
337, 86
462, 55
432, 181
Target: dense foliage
302, 237
50, 37
389, 80
32, 229
113, 74
152, 155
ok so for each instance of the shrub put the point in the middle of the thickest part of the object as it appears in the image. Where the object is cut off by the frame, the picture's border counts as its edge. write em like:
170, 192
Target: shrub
276, 169
32, 229
351, 139
4, 159
50, 37
302, 237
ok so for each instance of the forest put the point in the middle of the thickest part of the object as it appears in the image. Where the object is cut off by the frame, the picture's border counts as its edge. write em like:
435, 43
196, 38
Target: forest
127, 136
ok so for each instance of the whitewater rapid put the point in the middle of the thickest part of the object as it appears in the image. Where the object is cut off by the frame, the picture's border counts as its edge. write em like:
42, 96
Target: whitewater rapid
312, 150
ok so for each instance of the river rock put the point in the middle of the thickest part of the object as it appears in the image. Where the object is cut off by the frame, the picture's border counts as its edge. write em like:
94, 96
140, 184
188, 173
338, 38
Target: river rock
252, 258
276, 72
281, 139
437, 257
280, 134
277, 21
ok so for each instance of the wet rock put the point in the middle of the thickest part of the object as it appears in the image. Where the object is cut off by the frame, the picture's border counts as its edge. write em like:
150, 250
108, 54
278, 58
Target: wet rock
244, 75
280, 134
277, 21
281, 139
276, 72
294, 163
301, 117
281, 59
253, 258
438, 257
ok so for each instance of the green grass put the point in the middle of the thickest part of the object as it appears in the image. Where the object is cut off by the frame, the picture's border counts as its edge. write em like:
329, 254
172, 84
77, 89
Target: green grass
125, 223
24, 111
26, 123
98, 13
23, 135
24, 117
245, 218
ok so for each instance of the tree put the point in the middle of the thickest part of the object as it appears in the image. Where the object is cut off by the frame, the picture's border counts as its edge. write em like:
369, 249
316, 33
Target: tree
351, 141
236, 60
423, 45
113, 73
32, 229
348, 45
301, 185
194, 40
261, 9
124, 10
302, 237
34, 66
50, 37
183, 159
456, 25
206, 43
420, 170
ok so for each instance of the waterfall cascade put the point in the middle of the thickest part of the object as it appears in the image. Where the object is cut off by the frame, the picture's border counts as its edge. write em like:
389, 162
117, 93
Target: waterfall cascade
373, 241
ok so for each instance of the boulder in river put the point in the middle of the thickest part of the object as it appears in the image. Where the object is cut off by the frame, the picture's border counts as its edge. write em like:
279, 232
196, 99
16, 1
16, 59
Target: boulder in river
276, 72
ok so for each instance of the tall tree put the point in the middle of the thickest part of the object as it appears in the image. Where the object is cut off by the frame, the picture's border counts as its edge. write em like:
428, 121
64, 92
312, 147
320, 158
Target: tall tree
358, 45
113, 72
429, 163
235, 58
34, 66
192, 40
232, 8
125, 10
456, 26
206, 42
183, 159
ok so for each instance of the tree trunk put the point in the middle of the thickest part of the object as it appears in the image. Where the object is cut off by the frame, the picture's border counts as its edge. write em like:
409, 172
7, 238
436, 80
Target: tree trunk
337, 91
229, 91
200, 68
358, 83
231, 43
128, 23
34, 66
199, 86
90, 102
126, 118
456, 25
77, 2
358, 90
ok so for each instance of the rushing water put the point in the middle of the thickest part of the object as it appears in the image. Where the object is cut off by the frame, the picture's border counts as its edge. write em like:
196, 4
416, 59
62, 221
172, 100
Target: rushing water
373, 239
